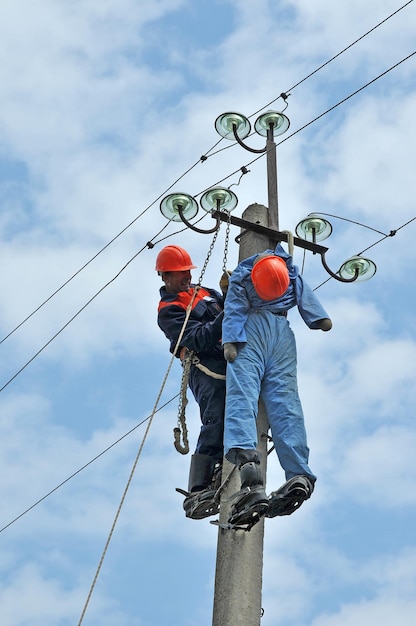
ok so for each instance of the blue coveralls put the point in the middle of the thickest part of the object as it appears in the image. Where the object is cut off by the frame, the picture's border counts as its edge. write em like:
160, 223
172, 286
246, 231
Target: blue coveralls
203, 336
266, 365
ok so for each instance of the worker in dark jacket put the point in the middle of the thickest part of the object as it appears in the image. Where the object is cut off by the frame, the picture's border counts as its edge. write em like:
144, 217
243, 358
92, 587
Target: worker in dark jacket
201, 337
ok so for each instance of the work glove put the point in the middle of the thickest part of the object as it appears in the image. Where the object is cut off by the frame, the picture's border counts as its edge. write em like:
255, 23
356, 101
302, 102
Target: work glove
230, 352
324, 324
224, 280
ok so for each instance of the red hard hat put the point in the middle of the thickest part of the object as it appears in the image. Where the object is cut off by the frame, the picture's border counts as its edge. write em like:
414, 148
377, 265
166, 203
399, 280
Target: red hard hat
270, 277
173, 259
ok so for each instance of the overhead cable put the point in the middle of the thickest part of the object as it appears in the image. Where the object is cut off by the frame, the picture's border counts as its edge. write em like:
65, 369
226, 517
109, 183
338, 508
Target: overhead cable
100, 251
392, 233
194, 165
78, 312
219, 182
334, 57
318, 117
78, 471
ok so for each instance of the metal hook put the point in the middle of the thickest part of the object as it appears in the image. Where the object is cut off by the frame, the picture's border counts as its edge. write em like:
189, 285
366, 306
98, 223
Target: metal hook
290, 241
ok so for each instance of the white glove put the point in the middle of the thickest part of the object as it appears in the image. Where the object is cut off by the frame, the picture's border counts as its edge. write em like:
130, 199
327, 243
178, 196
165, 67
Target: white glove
230, 352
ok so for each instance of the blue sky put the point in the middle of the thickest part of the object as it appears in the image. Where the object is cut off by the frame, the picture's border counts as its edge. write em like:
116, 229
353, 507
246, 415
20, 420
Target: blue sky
104, 106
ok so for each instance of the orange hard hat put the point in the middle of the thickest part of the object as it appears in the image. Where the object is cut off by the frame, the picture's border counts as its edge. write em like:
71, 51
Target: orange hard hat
270, 277
173, 259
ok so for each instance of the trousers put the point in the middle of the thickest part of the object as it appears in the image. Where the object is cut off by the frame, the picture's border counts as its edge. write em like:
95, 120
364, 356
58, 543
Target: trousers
266, 368
209, 393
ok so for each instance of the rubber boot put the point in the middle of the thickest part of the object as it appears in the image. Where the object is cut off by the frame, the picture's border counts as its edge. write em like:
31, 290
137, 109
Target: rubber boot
290, 496
200, 472
200, 500
251, 501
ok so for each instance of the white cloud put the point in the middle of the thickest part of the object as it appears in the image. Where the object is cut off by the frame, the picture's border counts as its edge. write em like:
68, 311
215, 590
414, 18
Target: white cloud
379, 467
371, 614
103, 107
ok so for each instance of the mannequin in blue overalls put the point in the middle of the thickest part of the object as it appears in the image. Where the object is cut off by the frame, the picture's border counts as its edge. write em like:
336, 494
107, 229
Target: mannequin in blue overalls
260, 348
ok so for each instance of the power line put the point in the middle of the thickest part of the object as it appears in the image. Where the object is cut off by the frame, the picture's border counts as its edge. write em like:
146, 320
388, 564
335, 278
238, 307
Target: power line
392, 233
350, 45
218, 182
99, 252
354, 93
78, 471
286, 93
203, 158
318, 117
76, 314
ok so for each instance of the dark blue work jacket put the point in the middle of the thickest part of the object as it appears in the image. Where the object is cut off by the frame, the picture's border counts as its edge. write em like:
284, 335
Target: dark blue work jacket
203, 330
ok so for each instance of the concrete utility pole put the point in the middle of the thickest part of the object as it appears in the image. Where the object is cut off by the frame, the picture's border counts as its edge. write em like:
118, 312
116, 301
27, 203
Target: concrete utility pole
239, 568
238, 580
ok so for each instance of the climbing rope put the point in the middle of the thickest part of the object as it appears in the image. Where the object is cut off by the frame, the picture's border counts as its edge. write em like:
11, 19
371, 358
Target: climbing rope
130, 478
136, 460
188, 358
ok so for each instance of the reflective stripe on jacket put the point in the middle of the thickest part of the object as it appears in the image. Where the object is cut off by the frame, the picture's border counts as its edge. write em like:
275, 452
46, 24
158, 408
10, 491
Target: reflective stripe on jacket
203, 331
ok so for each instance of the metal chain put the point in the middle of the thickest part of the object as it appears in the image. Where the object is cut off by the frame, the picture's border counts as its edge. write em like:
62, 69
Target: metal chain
227, 237
211, 248
181, 429
225, 278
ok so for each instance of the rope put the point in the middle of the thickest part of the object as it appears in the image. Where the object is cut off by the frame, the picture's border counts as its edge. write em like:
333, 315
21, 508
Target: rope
125, 491
130, 478
195, 361
181, 429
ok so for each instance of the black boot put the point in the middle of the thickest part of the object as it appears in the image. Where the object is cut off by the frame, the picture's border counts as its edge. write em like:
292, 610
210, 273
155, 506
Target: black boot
251, 501
204, 480
290, 496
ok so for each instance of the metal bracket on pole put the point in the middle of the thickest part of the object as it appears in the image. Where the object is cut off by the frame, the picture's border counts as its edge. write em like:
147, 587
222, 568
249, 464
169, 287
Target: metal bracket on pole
277, 236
